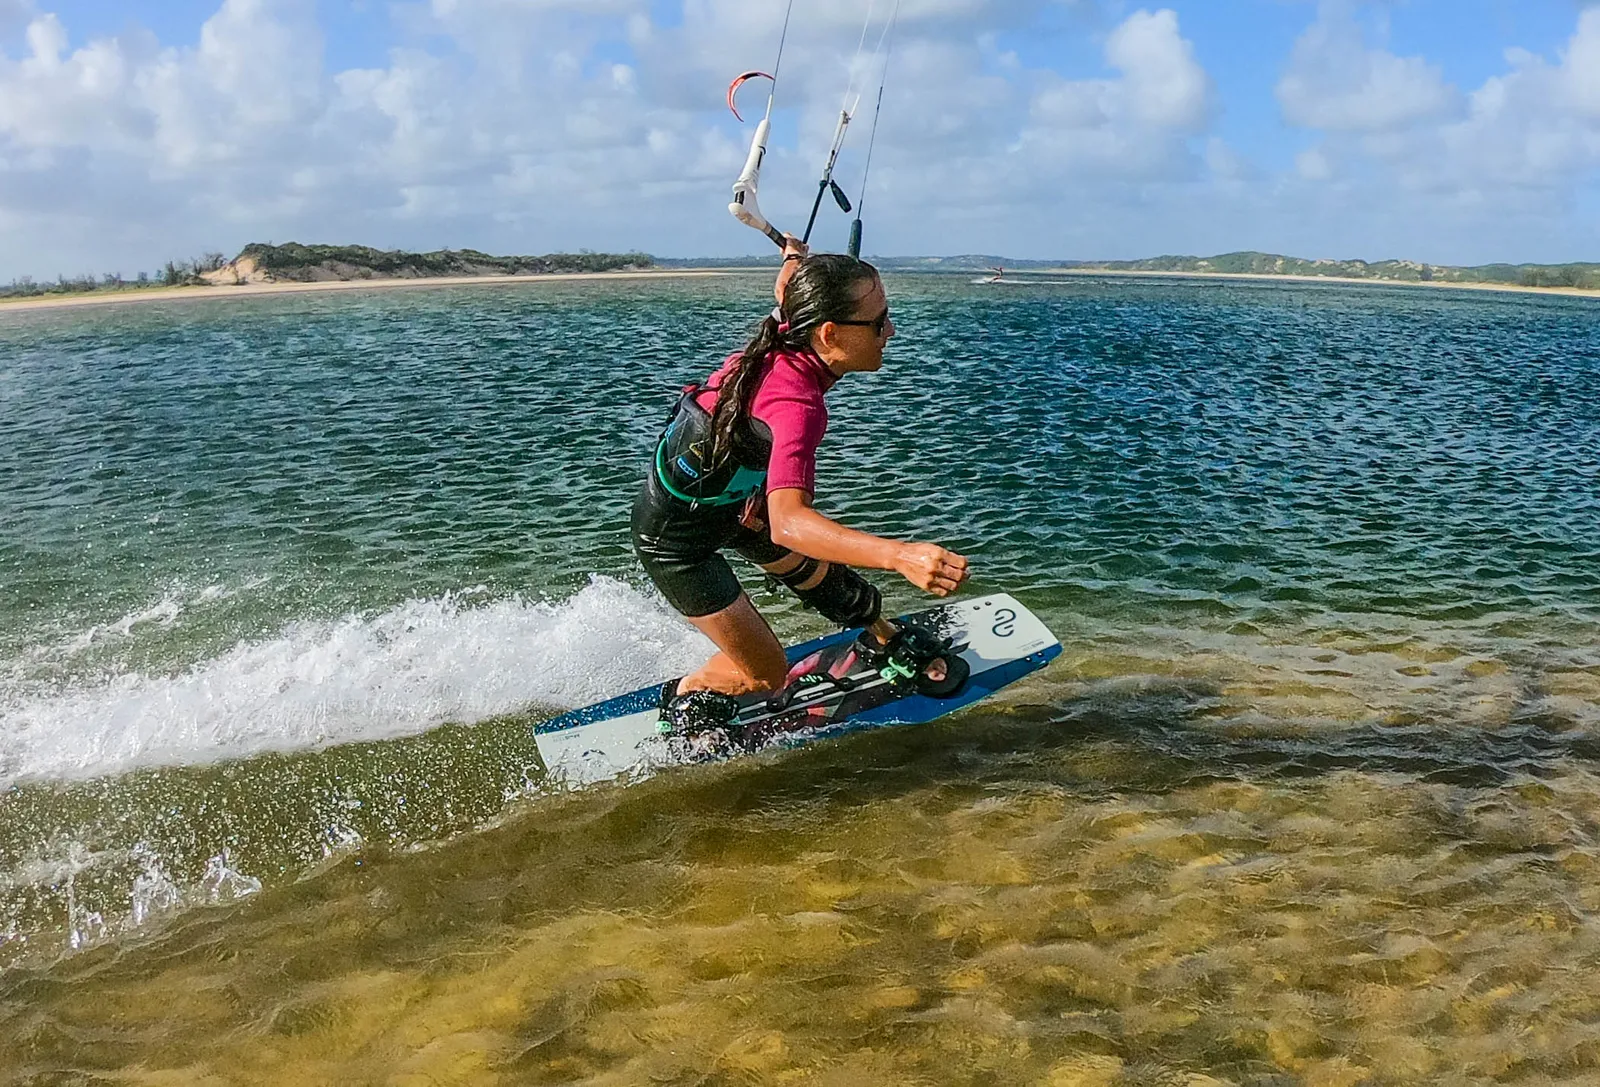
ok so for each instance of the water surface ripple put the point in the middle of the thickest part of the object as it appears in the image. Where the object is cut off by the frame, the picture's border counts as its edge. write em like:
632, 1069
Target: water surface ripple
1310, 798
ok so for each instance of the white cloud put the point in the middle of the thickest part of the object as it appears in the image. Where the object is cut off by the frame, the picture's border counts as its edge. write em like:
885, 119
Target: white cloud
1497, 173
1227, 165
1133, 127
1580, 68
252, 80
1162, 93
1313, 165
1536, 126
531, 125
525, 130
1334, 81
1164, 85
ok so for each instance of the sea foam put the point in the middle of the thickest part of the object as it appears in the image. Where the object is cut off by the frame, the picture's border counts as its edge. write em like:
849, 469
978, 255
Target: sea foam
463, 657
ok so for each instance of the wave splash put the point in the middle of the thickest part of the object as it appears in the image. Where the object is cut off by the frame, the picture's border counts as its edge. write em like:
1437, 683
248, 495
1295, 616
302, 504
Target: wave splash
464, 657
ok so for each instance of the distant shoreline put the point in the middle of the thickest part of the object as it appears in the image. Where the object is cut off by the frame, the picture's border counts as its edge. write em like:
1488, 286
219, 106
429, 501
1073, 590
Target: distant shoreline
1269, 277
178, 294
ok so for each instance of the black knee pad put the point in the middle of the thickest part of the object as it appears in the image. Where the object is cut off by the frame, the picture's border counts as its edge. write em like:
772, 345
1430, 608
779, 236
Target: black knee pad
843, 596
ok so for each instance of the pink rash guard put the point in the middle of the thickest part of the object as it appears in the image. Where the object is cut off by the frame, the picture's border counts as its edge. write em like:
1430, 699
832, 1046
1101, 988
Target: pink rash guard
790, 401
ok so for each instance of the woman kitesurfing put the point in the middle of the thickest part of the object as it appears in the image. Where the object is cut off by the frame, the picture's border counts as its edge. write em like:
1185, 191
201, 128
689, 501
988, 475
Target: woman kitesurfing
735, 470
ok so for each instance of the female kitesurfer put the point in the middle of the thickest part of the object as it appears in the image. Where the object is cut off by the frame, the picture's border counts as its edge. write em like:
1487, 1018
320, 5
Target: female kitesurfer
735, 469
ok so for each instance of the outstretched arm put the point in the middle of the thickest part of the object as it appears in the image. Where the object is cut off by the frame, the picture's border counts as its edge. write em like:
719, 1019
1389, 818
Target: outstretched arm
798, 527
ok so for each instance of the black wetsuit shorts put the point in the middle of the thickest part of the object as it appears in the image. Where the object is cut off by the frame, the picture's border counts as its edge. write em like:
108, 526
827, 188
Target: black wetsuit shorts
680, 546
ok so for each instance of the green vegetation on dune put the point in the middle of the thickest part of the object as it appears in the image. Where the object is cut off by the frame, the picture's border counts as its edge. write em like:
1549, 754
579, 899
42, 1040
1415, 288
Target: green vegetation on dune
1586, 276
176, 273
1249, 262
1405, 271
306, 263
294, 262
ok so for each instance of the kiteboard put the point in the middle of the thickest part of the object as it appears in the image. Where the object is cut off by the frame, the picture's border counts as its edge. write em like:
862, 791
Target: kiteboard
831, 690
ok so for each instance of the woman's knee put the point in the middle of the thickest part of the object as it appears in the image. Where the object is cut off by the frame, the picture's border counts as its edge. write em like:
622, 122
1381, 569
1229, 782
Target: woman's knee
800, 573
838, 592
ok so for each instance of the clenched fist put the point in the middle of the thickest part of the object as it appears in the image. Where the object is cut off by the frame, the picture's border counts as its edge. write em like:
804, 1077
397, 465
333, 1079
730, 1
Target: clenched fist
931, 568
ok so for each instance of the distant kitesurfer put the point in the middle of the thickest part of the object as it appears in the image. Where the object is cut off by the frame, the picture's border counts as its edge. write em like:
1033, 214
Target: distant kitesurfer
736, 469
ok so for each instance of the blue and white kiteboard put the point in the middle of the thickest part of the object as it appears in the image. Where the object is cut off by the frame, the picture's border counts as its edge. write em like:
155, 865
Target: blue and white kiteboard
830, 692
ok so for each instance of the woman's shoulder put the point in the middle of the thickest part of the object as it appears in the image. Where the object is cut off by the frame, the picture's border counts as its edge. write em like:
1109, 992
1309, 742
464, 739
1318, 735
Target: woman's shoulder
792, 383
721, 370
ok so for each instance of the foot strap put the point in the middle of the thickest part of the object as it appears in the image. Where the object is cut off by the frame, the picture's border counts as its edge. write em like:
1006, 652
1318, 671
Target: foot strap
904, 659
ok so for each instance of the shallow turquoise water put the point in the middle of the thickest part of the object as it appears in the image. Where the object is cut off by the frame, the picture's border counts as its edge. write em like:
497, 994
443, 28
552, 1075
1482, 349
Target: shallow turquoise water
286, 580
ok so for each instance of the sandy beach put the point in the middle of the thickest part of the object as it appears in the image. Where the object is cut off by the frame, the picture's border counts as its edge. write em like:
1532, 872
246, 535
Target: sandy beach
173, 294
179, 294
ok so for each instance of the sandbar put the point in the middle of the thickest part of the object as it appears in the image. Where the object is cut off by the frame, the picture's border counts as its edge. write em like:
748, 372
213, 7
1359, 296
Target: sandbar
1270, 277
179, 294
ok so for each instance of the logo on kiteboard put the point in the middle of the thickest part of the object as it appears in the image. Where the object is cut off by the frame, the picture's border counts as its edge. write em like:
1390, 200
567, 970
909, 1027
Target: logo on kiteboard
1005, 623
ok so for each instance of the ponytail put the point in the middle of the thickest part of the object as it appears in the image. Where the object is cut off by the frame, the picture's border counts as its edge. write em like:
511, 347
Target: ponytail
822, 289
738, 387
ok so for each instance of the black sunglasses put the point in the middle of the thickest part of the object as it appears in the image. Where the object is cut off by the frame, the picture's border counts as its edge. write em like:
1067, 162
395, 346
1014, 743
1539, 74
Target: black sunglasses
877, 324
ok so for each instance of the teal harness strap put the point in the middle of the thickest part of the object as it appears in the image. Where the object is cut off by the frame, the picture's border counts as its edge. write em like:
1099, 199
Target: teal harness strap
681, 452
745, 482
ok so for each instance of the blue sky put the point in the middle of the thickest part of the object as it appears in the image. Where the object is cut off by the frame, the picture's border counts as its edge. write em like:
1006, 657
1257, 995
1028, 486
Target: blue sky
1452, 131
